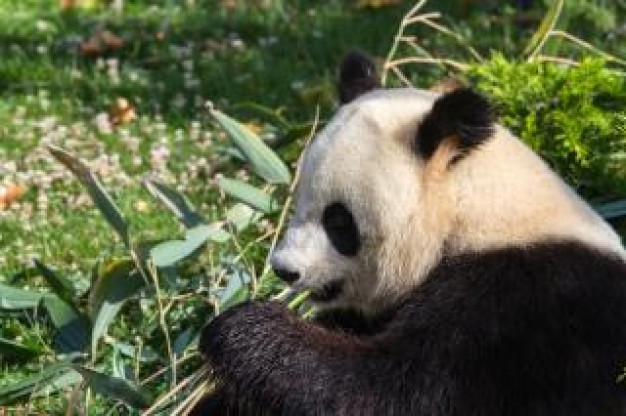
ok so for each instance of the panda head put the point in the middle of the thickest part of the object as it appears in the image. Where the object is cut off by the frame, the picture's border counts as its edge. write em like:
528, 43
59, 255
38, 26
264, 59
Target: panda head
401, 178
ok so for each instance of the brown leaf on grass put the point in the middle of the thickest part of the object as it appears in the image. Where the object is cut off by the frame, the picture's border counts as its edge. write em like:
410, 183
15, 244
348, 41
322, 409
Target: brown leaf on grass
254, 127
141, 206
101, 42
375, 4
122, 112
232, 4
10, 194
71, 4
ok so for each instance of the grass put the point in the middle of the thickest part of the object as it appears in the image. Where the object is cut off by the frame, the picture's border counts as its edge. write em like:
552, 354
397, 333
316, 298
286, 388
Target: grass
231, 57
174, 58
269, 66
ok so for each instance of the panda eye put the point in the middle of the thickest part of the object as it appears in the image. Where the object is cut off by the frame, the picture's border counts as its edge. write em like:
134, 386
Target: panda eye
341, 229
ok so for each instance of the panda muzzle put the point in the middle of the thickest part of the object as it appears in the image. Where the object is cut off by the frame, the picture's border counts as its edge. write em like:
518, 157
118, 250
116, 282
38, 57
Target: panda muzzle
327, 292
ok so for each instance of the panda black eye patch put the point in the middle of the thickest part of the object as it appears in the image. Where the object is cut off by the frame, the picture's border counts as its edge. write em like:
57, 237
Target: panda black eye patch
341, 229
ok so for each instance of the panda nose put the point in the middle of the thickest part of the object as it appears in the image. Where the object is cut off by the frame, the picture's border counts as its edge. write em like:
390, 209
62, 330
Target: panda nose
286, 275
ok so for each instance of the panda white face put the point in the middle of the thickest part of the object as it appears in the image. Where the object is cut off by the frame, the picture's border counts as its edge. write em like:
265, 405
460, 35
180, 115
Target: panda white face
386, 190
359, 195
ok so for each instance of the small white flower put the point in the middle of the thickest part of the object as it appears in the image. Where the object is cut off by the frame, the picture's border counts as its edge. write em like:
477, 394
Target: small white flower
102, 121
43, 26
297, 85
179, 101
188, 65
159, 156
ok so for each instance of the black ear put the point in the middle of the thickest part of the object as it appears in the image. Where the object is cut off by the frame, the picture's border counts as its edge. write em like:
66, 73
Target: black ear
463, 115
357, 75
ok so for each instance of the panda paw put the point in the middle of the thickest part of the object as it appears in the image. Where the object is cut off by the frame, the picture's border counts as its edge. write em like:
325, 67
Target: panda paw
234, 336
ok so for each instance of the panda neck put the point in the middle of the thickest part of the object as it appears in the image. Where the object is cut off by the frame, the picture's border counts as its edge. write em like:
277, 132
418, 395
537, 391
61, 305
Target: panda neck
523, 202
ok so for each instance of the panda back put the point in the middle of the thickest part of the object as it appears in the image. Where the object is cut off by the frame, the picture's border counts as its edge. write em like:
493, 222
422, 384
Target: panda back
522, 331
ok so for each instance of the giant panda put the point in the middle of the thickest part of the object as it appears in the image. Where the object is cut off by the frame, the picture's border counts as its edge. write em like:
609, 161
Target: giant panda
453, 273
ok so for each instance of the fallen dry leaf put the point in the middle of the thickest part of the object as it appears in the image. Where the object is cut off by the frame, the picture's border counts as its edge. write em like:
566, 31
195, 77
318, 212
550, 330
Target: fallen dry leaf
70, 4
10, 194
122, 112
101, 42
232, 4
375, 4
254, 128
141, 206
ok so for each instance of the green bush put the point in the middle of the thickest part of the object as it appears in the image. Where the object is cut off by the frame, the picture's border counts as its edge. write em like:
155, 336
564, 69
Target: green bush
573, 116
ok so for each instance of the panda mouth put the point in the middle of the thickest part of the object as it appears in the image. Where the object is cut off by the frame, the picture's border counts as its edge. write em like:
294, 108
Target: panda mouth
327, 292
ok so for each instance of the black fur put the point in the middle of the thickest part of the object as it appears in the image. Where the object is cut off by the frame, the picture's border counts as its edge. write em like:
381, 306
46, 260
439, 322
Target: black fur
463, 114
537, 331
357, 75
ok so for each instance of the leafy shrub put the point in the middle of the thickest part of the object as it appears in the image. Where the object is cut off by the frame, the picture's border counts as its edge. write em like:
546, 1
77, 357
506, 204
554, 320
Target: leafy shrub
573, 116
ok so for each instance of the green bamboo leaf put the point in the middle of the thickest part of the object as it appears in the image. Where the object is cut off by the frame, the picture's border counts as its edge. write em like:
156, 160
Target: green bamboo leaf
175, 202
236, 290
115, 388
12, 298
118, 367
248, 194
183, 341
170, 252
116, 283
262, 159
240, 216
26, 387
61, 381
72, 326
101, 199
146, 354
546, 26
274, 114
60, 285
16, 351
612, 210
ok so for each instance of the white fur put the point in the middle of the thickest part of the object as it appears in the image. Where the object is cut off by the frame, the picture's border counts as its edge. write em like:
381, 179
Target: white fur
406, 208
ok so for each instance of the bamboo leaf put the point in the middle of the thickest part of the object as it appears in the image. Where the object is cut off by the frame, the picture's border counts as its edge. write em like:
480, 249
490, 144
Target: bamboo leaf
175, 202
145, 354
248, 194
29, 385
184, 340
60, 285
612, 210
240, 216
263, 161
60, 381
72, 326
168, 253
117, 282
12, 298
546, 26
236, 290
16, 351
101, 199
115, 388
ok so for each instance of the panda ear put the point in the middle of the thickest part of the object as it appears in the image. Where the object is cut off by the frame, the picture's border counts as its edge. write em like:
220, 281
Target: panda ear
357, 75
463, 117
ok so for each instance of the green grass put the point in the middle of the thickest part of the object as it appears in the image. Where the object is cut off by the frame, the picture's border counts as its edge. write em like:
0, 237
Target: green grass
281, 58
268, 66
43, 75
